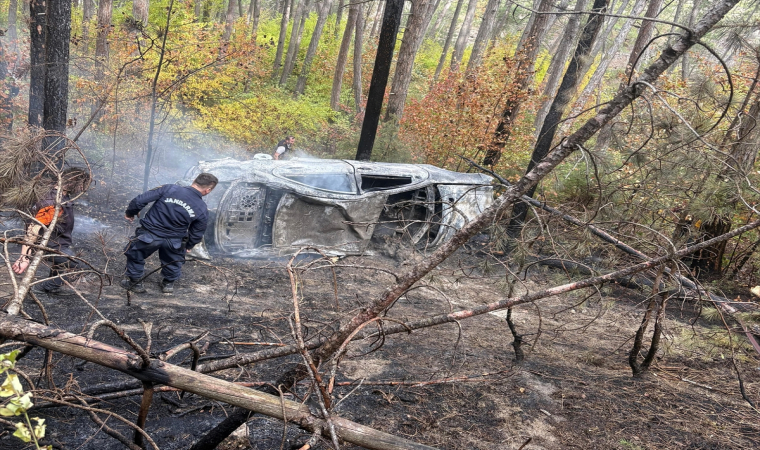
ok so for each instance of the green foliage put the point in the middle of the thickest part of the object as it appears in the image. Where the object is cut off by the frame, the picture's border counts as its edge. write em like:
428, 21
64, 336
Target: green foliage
19, 403
576, 187
542, 66
261, 120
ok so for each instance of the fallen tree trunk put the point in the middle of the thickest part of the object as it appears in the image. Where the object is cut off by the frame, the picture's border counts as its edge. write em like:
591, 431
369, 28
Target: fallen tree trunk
213, 388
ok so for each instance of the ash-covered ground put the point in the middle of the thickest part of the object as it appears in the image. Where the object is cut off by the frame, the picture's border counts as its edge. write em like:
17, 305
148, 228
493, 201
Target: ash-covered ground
453, 386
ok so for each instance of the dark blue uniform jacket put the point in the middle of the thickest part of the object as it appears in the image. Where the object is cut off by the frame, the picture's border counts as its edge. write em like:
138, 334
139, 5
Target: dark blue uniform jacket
178, 211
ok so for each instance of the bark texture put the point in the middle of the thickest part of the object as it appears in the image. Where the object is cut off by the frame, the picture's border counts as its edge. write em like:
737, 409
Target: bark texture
281, 39
643, 37
419, 19
449, 38
566, 90
604, 62
528, 49
229, 21
57, 62
340, 64
6, 108
139, 11
105, 11
322, 12
464, 36
190, 381
339, 16
558, 63
37, 69
484, 32
383, 60
12, 31
377, 22
294, 46
356, 84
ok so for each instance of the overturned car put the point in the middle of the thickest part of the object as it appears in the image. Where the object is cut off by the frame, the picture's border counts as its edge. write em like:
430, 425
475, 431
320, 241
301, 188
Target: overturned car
263, 207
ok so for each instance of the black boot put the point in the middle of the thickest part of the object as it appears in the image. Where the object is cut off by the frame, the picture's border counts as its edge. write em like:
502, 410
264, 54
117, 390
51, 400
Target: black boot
167, 287
135, 286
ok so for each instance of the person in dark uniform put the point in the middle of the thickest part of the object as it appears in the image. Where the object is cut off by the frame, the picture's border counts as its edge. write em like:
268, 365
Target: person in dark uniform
173, 226
74, 181
283, 147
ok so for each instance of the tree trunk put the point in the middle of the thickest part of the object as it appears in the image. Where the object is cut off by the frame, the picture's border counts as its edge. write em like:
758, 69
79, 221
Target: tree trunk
645, 33
312, 50
254, 14
154, 97
358, 51
608, 26
88, 12
634, 58
377, 23
449, 38
229, 21
296, 33
6, 97
281, 40
37, 68
436, 28
566, 89
499, 26
419, 19
12, 31
139, 11
484, 33
561, 7
744, 149
463, 37
57, 62
340, 64
383, 60
557, 66
339, 17
528, 26
104, 29
605, 60
527, 56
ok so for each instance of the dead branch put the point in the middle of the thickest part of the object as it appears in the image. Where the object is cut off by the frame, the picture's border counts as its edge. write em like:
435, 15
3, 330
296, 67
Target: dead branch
113, 433
159, 372
543, 168
142, 416
140, 351
490, 307
171, 352
322, 395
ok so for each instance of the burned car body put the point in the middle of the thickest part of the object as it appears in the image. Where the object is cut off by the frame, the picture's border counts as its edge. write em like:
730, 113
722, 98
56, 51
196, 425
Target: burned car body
263, 207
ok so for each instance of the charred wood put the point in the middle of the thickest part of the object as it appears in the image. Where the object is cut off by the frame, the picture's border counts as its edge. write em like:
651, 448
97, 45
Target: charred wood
159, 372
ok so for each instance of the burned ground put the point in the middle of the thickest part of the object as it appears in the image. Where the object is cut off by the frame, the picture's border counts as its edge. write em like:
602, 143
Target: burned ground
454, 386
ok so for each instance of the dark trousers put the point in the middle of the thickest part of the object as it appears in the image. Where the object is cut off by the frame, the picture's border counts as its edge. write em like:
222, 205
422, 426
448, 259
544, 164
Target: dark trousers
171, 252
59, 265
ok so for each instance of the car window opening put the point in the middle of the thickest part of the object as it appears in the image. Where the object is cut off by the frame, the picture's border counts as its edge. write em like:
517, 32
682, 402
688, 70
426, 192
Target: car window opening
382, 182
336, 182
